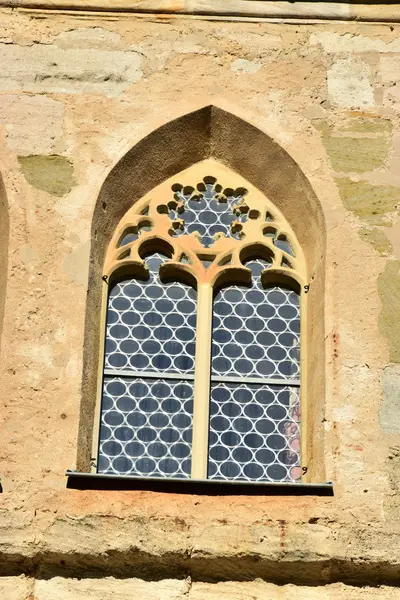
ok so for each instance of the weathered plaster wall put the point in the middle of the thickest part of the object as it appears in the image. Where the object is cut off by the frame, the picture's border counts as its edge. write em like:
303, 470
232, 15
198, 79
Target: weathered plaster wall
76, 93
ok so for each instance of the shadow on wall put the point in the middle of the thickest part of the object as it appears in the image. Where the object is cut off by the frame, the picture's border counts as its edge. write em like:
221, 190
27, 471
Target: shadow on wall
211, 133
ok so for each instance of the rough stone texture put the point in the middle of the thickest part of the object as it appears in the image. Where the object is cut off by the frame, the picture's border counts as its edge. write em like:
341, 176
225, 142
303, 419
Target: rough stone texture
377, 238
389, 288
41, 68
262, 591
33, 124
16, 588
103, 589
245, 66
389, 413
360, 146
349, 83
134, 589
52, 174
88, 88
373, 204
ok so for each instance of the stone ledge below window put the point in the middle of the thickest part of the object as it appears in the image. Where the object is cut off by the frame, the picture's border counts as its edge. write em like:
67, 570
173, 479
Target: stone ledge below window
98, 481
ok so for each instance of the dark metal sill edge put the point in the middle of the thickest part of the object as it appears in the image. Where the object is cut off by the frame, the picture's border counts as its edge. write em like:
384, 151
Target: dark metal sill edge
206, 487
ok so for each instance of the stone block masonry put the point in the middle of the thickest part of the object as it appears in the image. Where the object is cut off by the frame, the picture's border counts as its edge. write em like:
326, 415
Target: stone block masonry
78, 90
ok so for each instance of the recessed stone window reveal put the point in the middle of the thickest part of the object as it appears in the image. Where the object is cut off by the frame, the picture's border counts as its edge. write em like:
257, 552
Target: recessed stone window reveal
201, 352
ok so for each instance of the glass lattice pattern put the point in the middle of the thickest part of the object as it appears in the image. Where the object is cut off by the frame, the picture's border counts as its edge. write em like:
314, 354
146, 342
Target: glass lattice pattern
146, 427
209, 211
254, 432
151, 326
254, 419
256, 331
147, 401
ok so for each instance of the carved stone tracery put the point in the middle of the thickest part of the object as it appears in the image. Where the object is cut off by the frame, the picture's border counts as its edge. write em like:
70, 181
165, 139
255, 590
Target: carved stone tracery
207, 229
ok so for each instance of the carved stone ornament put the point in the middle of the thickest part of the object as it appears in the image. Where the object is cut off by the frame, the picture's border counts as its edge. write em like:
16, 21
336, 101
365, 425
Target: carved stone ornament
209, 221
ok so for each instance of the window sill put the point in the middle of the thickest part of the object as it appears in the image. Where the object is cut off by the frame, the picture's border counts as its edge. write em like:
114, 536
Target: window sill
206, 487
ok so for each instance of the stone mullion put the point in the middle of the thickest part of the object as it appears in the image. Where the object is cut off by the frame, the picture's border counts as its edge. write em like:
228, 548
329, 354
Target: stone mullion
202, 378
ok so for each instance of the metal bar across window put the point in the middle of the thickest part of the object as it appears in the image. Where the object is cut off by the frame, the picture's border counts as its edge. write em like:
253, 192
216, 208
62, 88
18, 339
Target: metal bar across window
190, 377
147, 374
259, 380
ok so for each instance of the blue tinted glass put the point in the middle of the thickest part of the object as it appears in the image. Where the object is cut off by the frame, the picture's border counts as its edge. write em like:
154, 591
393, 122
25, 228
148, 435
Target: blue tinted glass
255, 428
253, 324
208, 212
146, 428
143, 314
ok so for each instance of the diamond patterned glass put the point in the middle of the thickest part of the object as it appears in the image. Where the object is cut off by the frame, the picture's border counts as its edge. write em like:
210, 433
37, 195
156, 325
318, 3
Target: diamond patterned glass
147, 402
254, 426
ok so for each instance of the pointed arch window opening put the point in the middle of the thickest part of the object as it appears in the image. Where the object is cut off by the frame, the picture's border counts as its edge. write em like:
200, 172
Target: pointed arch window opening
237, 401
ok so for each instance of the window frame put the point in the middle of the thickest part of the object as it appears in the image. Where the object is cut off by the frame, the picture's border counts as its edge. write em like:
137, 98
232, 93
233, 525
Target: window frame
206, 281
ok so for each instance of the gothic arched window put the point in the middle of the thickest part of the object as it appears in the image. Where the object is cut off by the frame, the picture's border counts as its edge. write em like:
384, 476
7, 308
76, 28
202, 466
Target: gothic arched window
201, 349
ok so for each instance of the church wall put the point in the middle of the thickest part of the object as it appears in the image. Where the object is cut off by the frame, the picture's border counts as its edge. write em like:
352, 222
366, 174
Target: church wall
77, 92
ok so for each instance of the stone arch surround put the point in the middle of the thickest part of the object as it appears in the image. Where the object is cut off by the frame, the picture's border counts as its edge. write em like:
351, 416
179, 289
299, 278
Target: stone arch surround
211, 132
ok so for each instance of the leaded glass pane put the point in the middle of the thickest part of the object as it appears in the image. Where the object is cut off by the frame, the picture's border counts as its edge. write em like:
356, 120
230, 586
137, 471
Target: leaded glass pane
208, 212
146, 427
254, 432
256, 331
254, 426
146, 416
151, 326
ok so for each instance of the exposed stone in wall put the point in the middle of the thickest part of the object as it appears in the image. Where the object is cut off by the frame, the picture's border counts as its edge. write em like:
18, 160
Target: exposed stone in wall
89, 37
85, 90
389, 322
390, 66
41, 68
389, 413
392, 500
19, 588
52, 174
377, 238
245, 66
16, 588
110, 588
373, 204
359, 145
350, 83
334, 42
262, 591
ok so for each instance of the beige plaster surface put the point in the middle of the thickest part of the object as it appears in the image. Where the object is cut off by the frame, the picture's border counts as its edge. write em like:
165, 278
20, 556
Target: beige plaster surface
95, 86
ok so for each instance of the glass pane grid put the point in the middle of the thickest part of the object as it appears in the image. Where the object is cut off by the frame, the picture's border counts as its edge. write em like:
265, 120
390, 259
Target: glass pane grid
254, 430
151, 326
254, 433
256, 331
146, 427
